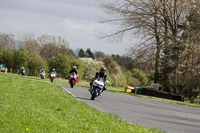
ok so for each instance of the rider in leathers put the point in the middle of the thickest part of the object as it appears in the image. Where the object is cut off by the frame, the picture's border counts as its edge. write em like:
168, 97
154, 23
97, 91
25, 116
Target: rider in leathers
101, 74
74, 69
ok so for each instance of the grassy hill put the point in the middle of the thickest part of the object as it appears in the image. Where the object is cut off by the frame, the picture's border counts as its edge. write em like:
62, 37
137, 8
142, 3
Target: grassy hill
32, 106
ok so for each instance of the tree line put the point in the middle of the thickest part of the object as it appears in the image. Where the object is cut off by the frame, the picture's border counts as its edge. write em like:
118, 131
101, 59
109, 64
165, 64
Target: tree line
48, 52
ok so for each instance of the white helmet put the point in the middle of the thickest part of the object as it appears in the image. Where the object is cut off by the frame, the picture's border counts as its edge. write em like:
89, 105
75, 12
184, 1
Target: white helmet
74, 67
53, 69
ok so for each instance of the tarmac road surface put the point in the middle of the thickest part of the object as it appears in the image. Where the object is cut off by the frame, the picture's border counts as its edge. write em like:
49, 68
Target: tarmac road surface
166, 116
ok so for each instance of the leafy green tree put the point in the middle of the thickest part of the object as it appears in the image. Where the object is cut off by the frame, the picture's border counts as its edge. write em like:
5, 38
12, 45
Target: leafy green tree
61, 63
141, 76
35, 64
20, 59
1, 56
8, 58
79, 64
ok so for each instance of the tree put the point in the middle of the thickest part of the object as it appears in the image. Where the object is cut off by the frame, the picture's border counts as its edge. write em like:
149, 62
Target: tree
89, 53
164, 25
130, 80
99, 54
52, 46
35, 64
7, 40
138, 18
141, 76
61, 63
81, 53
111, 65
125, 62
31, 44
8, 58
20, 59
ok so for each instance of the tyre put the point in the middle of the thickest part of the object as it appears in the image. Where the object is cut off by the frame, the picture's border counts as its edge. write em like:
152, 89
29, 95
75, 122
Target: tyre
52, 80
72, 83
93, 93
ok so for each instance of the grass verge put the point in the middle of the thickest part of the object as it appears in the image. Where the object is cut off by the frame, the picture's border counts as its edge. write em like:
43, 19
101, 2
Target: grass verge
32, 106
113, 89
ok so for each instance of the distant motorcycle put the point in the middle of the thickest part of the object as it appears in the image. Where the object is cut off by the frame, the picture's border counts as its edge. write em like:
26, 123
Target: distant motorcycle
97, 88
52, 76
42, 75
22, 72
73, 79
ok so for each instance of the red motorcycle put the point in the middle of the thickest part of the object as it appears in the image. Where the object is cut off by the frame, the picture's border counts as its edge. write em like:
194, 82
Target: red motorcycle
73, 79
52, 77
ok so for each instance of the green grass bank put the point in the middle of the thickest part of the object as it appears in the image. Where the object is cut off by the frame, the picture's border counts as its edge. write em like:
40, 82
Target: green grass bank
37, 107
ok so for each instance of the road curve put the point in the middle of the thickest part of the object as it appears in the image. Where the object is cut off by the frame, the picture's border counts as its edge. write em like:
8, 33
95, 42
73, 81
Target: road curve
166, 116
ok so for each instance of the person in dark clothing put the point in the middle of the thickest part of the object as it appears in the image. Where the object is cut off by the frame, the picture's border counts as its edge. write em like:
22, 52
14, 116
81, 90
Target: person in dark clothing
74, 69
102, 74
53, 72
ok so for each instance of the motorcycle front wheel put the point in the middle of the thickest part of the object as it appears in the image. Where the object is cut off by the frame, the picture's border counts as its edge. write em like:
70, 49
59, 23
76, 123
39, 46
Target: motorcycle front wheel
72, 83
93, 94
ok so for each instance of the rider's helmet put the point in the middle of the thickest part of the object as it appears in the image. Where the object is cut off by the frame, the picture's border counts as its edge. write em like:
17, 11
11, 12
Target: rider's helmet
22, 67
54, 70
74, 67
103, 70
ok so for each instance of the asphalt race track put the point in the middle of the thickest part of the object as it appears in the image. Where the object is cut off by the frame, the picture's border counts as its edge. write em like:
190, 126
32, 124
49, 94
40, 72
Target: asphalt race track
166, 116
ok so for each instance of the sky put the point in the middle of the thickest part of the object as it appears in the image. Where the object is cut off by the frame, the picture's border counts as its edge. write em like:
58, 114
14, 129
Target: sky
75, 20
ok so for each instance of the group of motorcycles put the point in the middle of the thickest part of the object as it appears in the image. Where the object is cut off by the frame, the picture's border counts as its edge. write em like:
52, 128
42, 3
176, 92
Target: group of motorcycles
96, 88
72, 78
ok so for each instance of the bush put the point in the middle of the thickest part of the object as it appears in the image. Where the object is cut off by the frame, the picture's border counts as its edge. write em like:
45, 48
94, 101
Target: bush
35, 64
63, 64
141, 76
91, 67
117, 80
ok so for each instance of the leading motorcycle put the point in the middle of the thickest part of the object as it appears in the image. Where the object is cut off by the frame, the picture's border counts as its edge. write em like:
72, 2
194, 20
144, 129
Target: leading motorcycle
97, 88
72, 79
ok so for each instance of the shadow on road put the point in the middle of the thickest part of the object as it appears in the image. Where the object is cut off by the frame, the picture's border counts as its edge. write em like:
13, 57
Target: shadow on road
83, 98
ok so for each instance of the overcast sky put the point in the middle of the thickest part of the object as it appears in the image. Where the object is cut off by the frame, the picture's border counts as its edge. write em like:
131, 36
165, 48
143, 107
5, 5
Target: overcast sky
74, 20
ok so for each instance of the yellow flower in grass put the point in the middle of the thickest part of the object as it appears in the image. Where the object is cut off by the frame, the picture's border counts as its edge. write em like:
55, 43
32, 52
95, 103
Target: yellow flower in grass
27, 129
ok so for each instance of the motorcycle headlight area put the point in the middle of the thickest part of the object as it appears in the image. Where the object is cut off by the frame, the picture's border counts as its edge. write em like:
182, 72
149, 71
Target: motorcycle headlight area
97, 84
